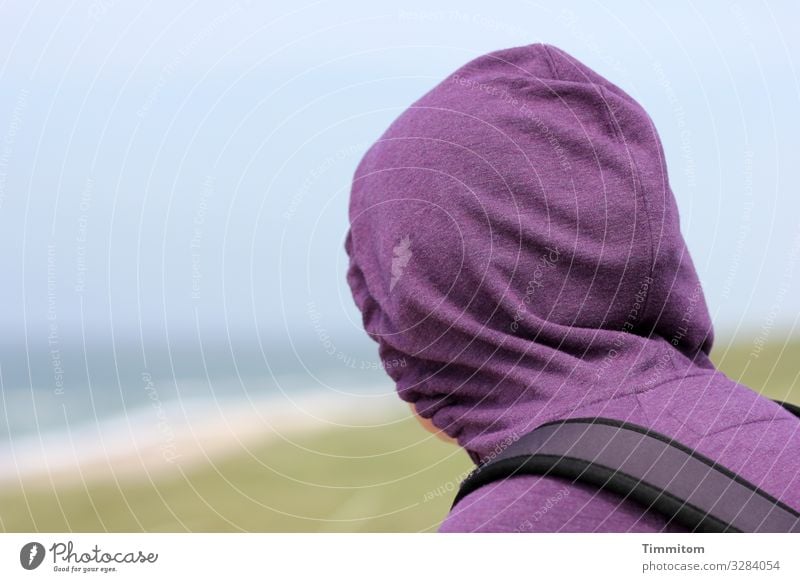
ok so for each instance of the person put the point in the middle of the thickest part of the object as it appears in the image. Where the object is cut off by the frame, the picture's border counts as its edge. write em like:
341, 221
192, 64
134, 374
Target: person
514, 237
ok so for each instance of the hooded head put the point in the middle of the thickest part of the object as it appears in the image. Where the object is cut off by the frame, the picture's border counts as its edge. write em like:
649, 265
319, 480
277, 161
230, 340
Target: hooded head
514, 237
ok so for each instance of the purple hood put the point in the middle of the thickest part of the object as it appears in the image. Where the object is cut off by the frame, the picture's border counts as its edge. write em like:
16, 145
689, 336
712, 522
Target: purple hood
514, 237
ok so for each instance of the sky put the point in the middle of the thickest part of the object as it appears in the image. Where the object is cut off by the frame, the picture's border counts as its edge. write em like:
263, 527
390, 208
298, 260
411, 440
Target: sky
181, 169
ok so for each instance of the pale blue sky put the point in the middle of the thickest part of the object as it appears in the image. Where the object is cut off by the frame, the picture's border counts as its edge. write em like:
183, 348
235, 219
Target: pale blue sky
185, 165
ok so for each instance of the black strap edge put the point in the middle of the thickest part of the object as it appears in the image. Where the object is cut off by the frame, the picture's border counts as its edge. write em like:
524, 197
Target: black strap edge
605, 478
673, 443
793, 408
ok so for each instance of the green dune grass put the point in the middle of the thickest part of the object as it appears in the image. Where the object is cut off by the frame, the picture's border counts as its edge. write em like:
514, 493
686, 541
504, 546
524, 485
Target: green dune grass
390, 478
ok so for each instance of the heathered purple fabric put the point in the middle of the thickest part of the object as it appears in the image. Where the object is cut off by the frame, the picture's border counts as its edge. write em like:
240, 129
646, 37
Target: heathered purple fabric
514, 238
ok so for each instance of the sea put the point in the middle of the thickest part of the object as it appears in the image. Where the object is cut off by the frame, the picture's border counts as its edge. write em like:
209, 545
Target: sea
72, 394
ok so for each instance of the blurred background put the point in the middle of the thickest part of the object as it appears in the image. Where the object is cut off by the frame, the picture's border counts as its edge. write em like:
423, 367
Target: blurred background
179, 349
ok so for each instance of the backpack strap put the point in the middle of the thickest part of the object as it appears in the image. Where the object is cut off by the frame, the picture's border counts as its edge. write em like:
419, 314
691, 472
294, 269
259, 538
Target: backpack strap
644, 466
793, 408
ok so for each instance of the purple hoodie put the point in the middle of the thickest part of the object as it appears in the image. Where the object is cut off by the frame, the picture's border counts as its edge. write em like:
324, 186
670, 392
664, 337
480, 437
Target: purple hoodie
514, 237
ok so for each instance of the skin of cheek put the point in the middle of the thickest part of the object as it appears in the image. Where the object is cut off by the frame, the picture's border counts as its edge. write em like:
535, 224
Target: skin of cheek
428, 425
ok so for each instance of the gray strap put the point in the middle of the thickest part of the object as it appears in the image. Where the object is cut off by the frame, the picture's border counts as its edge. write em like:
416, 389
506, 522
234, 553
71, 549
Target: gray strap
645, 466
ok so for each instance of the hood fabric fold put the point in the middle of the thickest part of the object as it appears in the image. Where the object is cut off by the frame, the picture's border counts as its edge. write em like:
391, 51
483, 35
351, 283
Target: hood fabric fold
514, 238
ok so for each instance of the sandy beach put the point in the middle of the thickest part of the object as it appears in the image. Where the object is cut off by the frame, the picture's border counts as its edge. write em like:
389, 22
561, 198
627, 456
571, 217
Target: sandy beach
322, 462
173, 437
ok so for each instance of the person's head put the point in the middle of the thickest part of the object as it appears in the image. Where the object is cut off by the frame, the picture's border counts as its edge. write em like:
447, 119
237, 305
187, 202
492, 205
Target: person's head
514, 237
